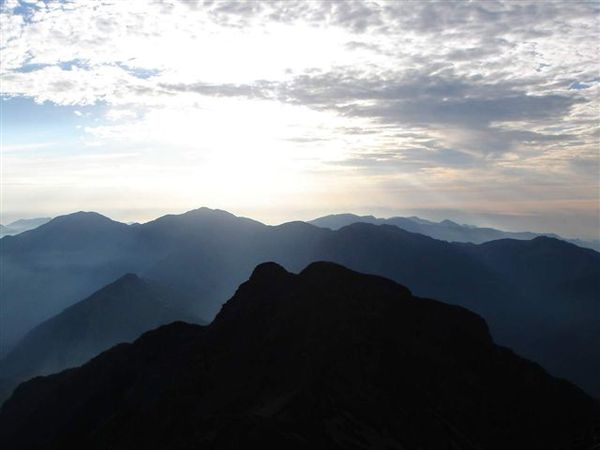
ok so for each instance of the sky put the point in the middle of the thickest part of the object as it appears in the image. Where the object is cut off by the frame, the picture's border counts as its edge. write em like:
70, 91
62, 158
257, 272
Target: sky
481, 112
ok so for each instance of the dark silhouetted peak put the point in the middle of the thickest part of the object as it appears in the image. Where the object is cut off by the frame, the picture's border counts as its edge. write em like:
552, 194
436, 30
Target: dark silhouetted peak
536, 301
324, 268
255, 298
331, 270
268, 272
329, 274
350, 363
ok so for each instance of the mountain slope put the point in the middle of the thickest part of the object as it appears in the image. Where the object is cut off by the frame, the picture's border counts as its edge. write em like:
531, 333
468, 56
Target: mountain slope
51, 267
5, 231
550, 297
560, 319
327, 359
119, 312
540, 297
445, 230
21, 225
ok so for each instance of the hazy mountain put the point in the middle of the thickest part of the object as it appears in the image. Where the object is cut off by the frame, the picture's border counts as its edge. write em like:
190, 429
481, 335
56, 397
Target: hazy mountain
205, 254
119, 312
445, 230
328, 359
49, 268
21, 225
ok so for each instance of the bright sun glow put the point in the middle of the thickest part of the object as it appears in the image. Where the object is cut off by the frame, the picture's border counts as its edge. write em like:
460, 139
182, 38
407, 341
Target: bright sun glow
286, 110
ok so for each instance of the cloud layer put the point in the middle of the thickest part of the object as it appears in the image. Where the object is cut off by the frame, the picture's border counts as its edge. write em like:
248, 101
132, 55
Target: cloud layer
484, 106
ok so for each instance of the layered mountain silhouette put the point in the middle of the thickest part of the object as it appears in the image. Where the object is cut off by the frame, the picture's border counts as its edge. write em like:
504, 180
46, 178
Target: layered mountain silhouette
327, 359
57, 264
21, 225
540, 297
445, 230
119, 312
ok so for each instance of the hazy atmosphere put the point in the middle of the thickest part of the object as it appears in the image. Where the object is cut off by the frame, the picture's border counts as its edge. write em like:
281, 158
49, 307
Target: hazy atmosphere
299, 225
481, 112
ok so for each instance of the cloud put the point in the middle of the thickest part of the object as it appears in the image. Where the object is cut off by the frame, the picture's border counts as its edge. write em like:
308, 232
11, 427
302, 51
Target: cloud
474, 109
497, 92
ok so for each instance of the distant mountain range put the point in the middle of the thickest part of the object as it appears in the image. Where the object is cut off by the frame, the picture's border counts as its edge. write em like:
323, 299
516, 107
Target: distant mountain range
119, 312
541, 297
327, 359
22, 225
446, 230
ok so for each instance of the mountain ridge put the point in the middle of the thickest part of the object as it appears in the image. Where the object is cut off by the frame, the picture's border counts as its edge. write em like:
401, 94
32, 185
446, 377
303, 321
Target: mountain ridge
325, 359
446, 229
207, 254
118, 312
22, 225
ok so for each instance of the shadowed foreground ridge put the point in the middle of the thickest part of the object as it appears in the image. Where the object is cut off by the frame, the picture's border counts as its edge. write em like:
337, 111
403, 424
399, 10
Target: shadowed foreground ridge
119, 312
327, 359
